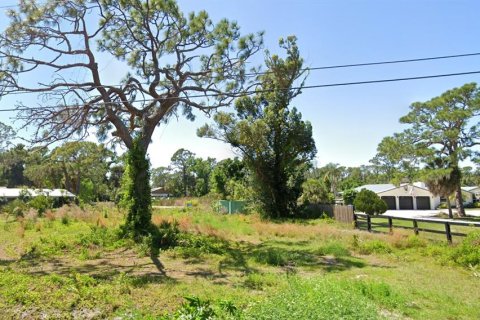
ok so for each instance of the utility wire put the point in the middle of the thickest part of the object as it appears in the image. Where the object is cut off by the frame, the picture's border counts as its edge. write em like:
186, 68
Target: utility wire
396, 61
262, 91
305, 69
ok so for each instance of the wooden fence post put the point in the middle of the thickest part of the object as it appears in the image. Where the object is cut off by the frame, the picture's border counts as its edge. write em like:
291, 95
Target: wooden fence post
415, 227
448, 232
390, 224
369, 223
355, 221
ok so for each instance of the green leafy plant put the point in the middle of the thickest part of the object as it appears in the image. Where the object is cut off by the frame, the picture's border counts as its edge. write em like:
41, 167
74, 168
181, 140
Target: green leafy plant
369, 202
41, 203
468, 252
196, 309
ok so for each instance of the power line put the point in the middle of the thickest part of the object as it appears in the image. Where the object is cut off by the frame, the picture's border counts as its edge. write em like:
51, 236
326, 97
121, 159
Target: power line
396, 61
265, 91
310, 69
9, 6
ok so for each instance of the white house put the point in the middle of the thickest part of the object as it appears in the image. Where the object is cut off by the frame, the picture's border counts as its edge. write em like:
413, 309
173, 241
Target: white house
160, 192
13, 193
404, 197
471, 194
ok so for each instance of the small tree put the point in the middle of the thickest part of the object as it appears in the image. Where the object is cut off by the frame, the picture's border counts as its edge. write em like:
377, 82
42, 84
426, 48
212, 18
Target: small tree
276, 144
369, 202
183, 161
227, 177
315, 192
442, 179
349, 196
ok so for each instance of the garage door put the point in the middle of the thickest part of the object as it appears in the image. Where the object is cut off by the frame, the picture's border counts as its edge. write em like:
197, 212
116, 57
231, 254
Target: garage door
423, 203
390, 201
406, 203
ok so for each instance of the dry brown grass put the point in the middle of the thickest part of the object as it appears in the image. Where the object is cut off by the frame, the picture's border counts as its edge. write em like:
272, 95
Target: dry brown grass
50, 215
31, 214
212, 231
21, 230
295, 230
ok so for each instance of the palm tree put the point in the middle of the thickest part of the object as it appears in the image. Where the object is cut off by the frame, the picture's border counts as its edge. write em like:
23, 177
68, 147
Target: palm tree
442, 178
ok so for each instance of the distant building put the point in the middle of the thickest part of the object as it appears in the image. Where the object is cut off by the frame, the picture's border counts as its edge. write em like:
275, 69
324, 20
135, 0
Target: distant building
14, 193
471, 194
414, 196
160, 192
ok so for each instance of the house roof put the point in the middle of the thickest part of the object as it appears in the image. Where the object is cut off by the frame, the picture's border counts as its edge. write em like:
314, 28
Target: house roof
469, 189
377, 188
159, 190
16, 192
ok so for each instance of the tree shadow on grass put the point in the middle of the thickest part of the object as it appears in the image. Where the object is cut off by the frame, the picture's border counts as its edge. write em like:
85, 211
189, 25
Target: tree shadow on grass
107, 268
236, 260
270, 254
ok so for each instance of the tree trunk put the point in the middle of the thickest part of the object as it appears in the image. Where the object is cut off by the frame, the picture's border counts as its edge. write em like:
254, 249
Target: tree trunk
449, 206
78, 183
138, 197
184, 178
459, 201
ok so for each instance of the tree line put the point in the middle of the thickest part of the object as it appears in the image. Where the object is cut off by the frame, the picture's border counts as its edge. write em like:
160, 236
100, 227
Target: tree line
177, 64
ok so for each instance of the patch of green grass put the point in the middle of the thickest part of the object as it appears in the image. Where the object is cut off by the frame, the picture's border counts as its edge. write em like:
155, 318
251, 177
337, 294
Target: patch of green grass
325, 299
259, 281
468, 252
373, 246
277, 256
334, 248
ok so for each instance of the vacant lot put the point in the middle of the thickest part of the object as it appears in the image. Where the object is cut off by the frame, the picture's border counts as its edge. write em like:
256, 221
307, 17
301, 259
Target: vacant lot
71, 263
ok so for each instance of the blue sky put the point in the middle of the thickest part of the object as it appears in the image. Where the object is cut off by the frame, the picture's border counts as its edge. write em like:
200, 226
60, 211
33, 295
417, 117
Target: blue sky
348, 122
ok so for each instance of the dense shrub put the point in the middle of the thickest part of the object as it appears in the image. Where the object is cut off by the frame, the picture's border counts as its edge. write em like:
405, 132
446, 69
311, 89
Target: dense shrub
315, 191
41, 204
196, 309
349, 196
166, 234
468, 252
369, 202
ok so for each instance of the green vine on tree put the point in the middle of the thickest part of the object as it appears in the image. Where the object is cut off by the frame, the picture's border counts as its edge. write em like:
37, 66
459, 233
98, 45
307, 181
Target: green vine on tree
136, 192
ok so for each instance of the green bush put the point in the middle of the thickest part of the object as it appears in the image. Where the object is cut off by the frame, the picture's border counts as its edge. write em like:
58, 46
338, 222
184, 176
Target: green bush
166, 235
15, 208
468, 252
315, 191
101, 237
196, 309
87, 192
349, 196
41, 204
369, 202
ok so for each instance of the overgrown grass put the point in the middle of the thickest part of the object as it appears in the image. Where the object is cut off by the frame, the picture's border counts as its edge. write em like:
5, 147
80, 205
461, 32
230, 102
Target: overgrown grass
326, 298
73, 263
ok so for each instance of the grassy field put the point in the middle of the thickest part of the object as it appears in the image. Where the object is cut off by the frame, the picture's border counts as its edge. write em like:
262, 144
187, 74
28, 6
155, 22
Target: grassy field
71, 263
